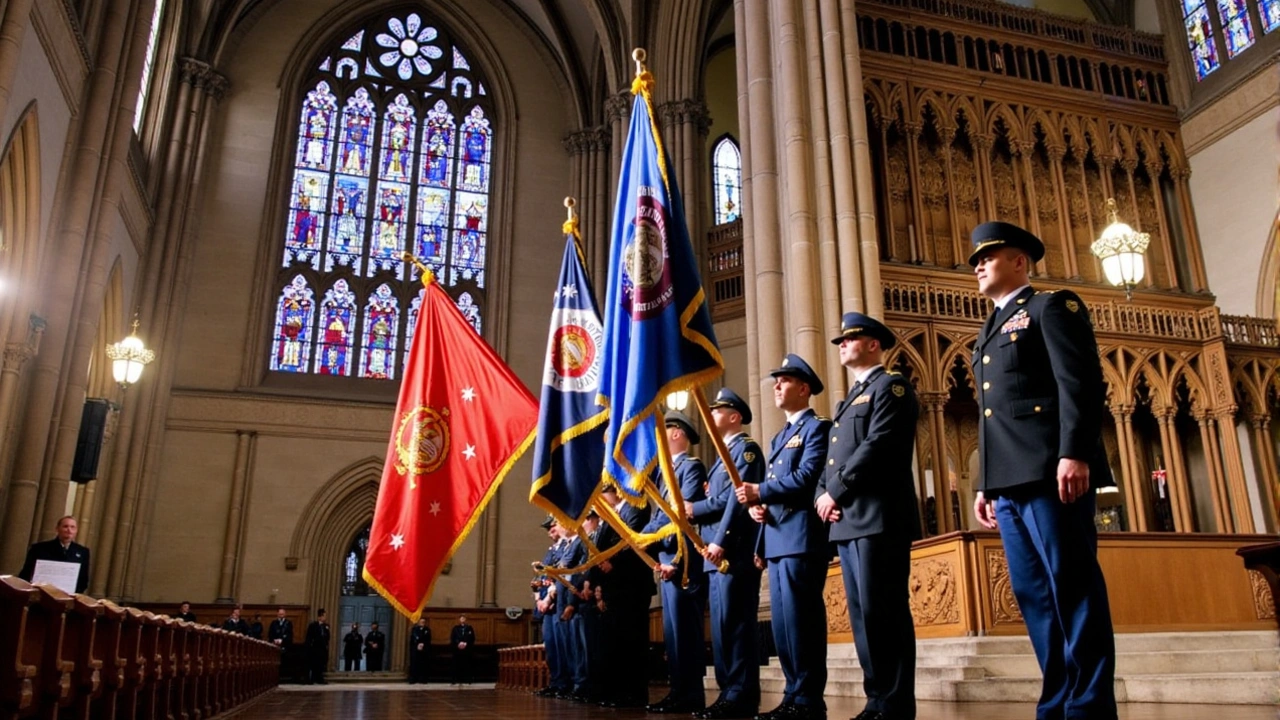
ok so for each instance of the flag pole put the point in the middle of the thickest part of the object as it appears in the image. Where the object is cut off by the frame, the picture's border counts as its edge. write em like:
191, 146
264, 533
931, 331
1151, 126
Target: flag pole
428, 277
676, 509
704, 409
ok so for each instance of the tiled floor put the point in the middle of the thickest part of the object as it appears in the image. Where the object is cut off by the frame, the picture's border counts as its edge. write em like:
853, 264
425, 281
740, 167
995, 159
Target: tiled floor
474, 702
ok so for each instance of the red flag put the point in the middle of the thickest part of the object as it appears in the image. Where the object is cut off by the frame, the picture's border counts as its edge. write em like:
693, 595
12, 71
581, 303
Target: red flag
462, 421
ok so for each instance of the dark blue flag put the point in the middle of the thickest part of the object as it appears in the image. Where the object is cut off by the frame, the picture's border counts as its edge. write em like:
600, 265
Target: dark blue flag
570, 448
657, 325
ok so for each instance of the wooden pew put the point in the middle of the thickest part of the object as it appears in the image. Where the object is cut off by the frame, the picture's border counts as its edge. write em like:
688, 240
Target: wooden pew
111, 650
183, 634
83, 623
47, 629
20, 657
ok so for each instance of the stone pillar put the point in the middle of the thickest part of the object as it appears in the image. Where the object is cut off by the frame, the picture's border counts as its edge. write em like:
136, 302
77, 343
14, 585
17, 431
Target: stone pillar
685, 124
98, 143
489, 554
764, 287
14, 18
588, 151
16, 356
237, 512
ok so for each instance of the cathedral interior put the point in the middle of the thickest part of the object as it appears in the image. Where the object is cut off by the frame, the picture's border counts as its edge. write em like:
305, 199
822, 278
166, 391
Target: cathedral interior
232, 183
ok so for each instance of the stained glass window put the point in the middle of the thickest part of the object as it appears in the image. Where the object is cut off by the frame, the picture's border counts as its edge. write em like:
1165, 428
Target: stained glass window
148, 64
1204, 51
394, 152
726, 171
1236, 28
1269, 10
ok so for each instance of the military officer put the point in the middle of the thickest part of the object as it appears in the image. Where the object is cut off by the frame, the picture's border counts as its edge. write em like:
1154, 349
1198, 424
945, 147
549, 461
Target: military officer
572, 640
1041, 459
419, 651
545, 606
793, 540
730, 534
682, 606
868, 496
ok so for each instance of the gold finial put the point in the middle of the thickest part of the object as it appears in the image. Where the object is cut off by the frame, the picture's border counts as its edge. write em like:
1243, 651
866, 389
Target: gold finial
638, 55
428, 277
571, 221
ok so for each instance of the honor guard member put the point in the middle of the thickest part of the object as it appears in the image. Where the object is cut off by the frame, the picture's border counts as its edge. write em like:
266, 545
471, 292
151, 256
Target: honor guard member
628, 587
868, 496
793, 540
352, 648
463, 641
730, 534
683, 606
318, 647
572, 642
1041, 458
281, 631
419, 651
545, 606
591, 612
375, 644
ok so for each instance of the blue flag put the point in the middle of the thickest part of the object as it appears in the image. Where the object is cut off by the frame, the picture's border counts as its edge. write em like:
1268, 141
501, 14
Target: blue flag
657, 324
570, 448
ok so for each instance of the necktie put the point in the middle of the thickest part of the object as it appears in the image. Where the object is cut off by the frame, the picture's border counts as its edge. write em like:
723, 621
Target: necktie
990, 324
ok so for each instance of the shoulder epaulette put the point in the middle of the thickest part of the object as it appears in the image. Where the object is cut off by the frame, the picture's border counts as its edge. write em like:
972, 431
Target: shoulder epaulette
822, 418
892, 372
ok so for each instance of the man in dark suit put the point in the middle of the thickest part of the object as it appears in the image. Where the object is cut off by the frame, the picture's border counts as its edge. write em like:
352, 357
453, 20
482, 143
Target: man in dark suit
868, 496
793, 541
730, 534
419, 652
63, 548
281, 631
683, 605
318, 647
375, 644
462, 639
236, 624
184, 612
352, 648
1041, 459
627, 588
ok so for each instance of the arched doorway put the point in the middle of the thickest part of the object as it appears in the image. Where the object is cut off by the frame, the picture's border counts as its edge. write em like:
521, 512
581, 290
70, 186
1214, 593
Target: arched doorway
359, 603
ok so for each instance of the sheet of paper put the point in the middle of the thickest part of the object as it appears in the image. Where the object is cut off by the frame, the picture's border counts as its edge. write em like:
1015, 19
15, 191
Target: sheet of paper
62, 575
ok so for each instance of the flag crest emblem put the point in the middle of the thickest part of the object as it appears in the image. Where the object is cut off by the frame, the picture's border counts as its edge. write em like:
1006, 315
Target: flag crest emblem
422, 442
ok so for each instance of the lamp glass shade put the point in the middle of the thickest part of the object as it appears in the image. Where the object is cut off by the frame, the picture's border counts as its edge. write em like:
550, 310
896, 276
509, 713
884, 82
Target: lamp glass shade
678, 400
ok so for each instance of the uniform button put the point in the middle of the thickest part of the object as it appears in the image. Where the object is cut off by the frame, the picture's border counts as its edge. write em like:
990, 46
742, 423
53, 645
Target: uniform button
1037, 408
986, 386
1013, 337
836, 425
833, 438
987, 412
986, 359
831, 462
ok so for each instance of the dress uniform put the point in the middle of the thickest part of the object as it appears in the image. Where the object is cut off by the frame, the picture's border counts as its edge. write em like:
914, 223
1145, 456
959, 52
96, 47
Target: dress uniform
793, 541
1041, 396
352, 649
735, 594
572, 641
869, 476
419, 653
375, 645
560, 681
318, 647
682, 606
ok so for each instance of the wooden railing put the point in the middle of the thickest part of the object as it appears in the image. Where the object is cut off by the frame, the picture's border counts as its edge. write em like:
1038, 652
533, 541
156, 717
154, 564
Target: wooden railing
1246, 330
724, 271
69, 656
523, 668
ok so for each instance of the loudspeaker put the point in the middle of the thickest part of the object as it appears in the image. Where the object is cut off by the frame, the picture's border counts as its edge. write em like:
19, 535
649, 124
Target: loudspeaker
93, 423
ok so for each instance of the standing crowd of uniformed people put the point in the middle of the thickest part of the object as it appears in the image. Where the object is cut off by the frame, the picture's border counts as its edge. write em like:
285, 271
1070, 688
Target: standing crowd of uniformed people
844, 486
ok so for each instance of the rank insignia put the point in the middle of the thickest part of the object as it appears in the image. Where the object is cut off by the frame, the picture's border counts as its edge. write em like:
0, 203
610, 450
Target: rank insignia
861, 399
1073, 306
749, 456
794, 442
899, 390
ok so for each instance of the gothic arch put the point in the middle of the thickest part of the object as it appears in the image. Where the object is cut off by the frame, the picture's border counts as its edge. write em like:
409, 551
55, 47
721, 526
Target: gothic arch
20, 262
1012, 124
336, 512
1047, 125
930, 99
1268, 300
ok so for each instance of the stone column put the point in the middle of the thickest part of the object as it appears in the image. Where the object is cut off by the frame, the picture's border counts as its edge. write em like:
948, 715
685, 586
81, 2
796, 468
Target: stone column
14, 18
237, 512
98, 143
588, 150
16, 355
685, 124
489, 554
764, 287
617, 112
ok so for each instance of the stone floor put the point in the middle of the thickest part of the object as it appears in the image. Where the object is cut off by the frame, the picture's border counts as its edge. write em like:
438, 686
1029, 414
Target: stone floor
476, 702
